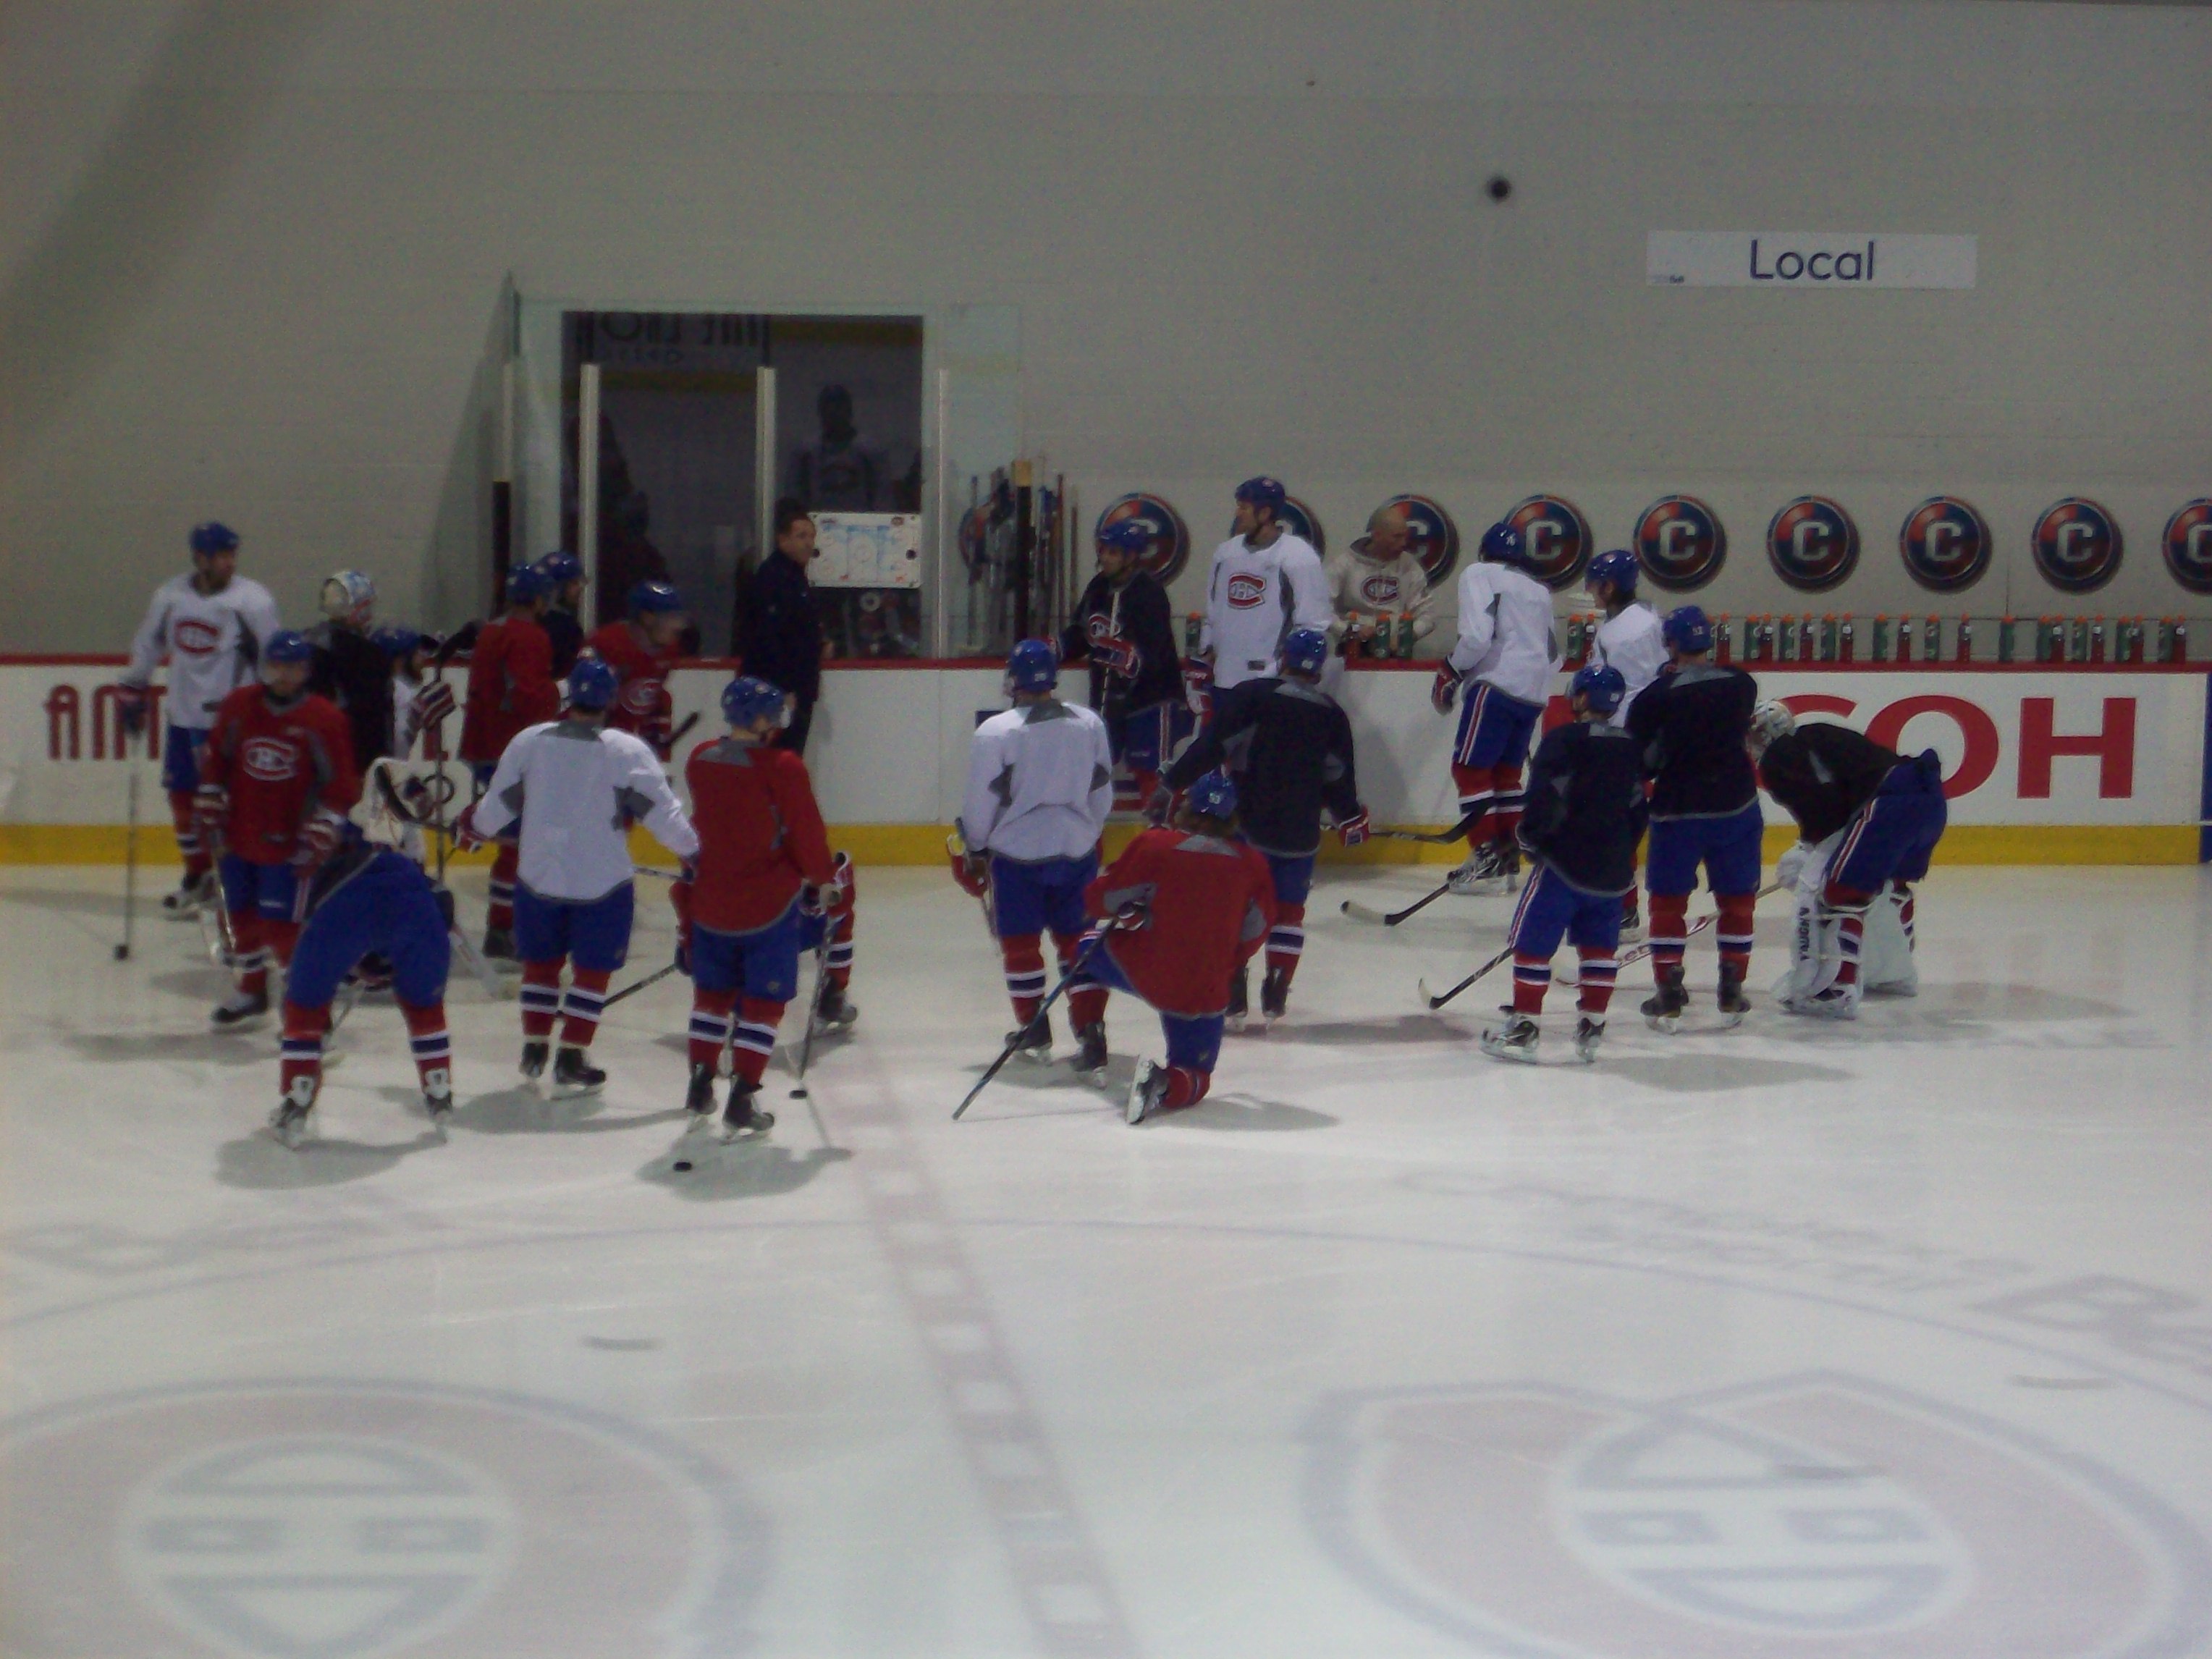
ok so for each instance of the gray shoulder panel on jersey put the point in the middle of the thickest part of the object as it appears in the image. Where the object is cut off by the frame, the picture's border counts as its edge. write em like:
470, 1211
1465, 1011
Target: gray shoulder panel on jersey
1051, 709
1697, 672
635, 804
511, 797
1117, 899
727, 751
1305, 693
1003, 785
1100, 777
576, 731
1208, 844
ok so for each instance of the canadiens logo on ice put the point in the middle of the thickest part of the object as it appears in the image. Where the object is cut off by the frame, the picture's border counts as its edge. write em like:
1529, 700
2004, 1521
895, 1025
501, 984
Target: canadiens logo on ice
1813, 544
2076, 546
1247, 590
194, 637
267, 760
1169, 547
1680, 542
1945, 544
1555, 536
1431, 536
2187, 545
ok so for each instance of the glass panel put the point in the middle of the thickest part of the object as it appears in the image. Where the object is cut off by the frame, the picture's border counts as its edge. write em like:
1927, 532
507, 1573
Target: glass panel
976, 362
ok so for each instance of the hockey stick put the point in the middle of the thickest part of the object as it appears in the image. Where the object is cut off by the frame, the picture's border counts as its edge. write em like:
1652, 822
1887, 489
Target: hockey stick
1082, 957
1637, 952
635, 986
814, 1014
1359, 912
1435, 1002
129, 868
1427, 837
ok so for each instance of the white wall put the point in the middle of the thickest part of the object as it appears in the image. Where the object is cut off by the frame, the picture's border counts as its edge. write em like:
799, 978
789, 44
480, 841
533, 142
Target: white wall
249, 254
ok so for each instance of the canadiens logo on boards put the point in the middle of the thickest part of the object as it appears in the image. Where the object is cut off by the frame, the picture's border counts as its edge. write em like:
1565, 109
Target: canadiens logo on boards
1681, 543
268, 760
1813, 544
1431, 536
1555, 536
1165, 556
2187, 545
2077, 545
1246, 591
1945, 544
194, 637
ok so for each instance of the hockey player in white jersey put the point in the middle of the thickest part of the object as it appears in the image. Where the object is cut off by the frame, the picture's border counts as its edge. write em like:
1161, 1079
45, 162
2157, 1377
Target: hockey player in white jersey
1506, 657
575, 787
211, 626
1630, 643
1376, 579
1266, 581
1040, 784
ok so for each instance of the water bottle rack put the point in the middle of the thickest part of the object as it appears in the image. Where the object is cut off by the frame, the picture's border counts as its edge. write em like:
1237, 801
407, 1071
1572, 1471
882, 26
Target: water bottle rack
1780, 639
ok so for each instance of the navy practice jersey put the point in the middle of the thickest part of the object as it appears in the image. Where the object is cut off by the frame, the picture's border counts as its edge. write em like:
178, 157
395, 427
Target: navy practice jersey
1136, 612
1289, 747
1820, 775
1584, 810
1693, 722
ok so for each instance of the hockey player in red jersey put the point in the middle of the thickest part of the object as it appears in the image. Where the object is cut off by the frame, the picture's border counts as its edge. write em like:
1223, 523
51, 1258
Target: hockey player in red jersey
763, 861
276, 782
644, 651
511, 687
1203, 902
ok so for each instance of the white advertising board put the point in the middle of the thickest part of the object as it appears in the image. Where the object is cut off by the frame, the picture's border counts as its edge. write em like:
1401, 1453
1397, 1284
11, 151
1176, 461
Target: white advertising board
1809, 260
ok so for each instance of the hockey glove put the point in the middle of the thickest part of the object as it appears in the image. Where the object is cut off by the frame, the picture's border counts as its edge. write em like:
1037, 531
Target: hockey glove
1156, 810
1117, 656
1198, 687
1790, 865
841, 881
130, 709
211, 807
432, 705
972, 871
1354, 829
319, 836
1443, 688
814, 900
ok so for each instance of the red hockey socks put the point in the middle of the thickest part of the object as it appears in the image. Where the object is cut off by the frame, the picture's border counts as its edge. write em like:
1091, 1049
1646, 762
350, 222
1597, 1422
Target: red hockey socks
1505, 801
1905, 914
1476, 794
711, 1021
1186, 1087
581, 1008
431, 1046
248, 955
541, 998
1024, 974
281, 937
1734, 929
197, 860
1598, 969
1287, 942
304, 1029
1670, 928
504, 863
753, 1040
1087, 1001
1531, 977
1850, 929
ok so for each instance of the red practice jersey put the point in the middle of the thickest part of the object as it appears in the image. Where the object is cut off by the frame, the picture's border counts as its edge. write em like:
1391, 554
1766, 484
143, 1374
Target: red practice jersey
511, 686
643, 705
760, 834
278, 764
1208, 905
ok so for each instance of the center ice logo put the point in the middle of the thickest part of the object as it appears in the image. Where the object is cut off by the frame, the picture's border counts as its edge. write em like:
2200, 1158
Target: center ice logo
2077, 545
194, 638
1813, 544
1246, 591
1945, 544
266, 760
1680, 542
1831, 1517
1555, 536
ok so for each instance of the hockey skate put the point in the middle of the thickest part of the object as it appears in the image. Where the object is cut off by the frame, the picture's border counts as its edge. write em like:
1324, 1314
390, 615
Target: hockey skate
1588, 1034
438, 1101
1733, 1004
741, 1118
1033, 1041
1632, 927
1479, 874
534, 1055
1148, 1091
241, 1011
1091, 1058
1274, 996
1516, 1040
192, 894
1240, 1001
1663, 1009
573, 1072
832, 1010
291, 1119
1835, 1002
699, 1099
498, 945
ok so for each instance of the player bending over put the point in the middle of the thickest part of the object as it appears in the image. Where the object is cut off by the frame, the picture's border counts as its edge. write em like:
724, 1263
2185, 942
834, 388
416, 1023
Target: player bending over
1265, 581
1197, 901
575, 787
211, 625
1288, 747
644, 651
276, 780
1124, 627
1506, 650
1693, 723
1040, 784
1584, 815
764, 860
511, 688
1867, 820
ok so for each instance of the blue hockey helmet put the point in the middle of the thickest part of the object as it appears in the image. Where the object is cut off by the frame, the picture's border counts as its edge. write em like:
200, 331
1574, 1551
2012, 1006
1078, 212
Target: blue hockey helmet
526, 584
1305, 651
347, 596
1599, 685
748, 699
1617, 566
1213, 796
654, 599
1132, 536
1687, 630
1032, 665
396, 641
213, 536
287, 645
1263, 491
592, 683
1502, 544
560, 567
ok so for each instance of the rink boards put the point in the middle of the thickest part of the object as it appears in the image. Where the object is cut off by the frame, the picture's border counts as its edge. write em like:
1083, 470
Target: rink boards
2100, 765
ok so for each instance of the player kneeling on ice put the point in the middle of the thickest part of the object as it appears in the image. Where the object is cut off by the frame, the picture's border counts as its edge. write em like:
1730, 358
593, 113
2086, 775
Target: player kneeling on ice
763, 865
1192, 905
1584, 815
1289, 747
1868, 820
1040, 784
575, 788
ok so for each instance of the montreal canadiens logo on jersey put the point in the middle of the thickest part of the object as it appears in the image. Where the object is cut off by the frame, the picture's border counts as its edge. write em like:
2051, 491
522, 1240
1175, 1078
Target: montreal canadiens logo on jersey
1945, 544
2187, 545
1246, 591
1555, 536
1813, 544
1165, 556
1430, 535
268, 760
2076, 546
1681, 543
1380, 591
194, 638
642, 695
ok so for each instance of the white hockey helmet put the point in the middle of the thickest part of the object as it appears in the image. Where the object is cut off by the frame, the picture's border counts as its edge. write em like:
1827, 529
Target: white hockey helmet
349, 597
1770, 720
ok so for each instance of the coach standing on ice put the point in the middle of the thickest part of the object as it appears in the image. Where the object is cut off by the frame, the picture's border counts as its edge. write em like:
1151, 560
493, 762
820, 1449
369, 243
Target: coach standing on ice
780, 638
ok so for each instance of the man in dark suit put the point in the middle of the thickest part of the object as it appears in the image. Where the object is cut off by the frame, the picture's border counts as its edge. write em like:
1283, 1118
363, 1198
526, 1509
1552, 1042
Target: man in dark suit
780, 636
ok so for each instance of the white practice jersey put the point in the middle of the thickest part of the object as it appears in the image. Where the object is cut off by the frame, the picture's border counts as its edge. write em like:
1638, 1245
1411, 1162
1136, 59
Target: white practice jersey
1254, 597
1630, 643
1039, 783
213, 642
577, 788
1505, 635
1365, 587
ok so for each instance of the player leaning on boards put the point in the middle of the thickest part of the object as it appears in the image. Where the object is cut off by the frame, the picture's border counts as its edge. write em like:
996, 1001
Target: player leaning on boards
575, 787
1124, 626
1585, 814
1265, 581
211, 625
763, 865
1287, 746
1693, 723
1868, 820
1506, 650
1631, 642
511, 688
1040, 784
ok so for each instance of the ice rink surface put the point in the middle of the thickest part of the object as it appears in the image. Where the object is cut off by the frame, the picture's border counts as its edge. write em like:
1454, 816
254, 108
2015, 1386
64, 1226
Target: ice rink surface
1889, 1340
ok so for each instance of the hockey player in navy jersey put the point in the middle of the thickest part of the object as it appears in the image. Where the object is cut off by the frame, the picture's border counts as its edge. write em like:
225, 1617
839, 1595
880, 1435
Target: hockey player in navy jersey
1584, 815
1287, 746
564, 579
1124, 627
1693, 723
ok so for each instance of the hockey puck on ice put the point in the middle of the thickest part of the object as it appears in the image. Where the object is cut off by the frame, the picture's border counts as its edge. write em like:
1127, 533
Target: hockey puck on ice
799, 1093
123, 953
683, 1166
